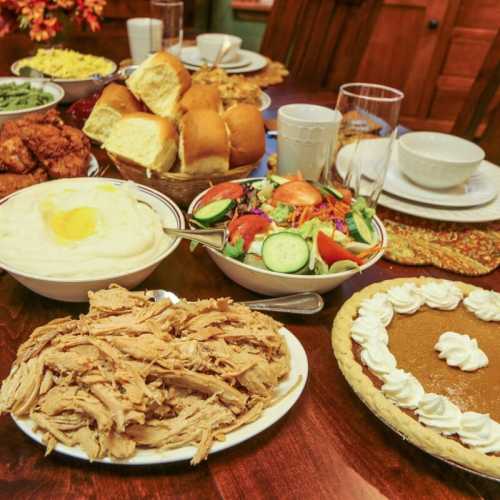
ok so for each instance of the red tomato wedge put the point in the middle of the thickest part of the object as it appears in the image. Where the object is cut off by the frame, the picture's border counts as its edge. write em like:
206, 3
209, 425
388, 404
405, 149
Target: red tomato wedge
299, 193
223, 191
246, 227
331, 251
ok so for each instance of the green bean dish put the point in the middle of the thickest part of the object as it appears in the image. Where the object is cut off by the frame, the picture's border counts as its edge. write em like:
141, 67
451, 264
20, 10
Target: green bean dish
14, 97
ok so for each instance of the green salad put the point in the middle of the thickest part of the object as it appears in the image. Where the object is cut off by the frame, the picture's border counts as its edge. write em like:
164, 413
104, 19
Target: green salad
290, 225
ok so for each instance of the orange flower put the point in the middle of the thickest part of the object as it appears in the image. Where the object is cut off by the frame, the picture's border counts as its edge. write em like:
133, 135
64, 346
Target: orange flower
44, 29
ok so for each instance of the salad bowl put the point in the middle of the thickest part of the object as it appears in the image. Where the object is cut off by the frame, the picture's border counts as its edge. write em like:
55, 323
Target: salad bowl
272, 283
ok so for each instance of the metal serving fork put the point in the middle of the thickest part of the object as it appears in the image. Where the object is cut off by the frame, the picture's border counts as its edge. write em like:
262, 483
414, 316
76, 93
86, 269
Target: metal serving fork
298, 303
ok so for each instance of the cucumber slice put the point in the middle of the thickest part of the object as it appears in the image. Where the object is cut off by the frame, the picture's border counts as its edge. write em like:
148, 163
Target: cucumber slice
214, 211
285, 252
359, 228
277, 179
335, 192
343, 265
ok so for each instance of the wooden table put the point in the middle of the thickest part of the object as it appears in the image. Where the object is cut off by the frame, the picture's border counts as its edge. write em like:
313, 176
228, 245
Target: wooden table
328, 446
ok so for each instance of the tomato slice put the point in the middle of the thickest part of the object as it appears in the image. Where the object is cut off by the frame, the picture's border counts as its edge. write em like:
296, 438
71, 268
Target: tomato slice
299, 193
224, 190
331, 251
246, 227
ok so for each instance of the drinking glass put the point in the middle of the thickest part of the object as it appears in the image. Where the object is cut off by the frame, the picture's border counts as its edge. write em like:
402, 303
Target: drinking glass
365, 138
170, 13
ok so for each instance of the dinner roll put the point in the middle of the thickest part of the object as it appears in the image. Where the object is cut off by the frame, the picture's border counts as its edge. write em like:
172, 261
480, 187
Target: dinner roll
115, 101
204, 143
159, 82
246, 134
201, 97
147, 140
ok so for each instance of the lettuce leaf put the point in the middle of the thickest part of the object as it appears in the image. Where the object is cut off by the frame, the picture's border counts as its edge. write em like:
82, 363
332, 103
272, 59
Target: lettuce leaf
281, 212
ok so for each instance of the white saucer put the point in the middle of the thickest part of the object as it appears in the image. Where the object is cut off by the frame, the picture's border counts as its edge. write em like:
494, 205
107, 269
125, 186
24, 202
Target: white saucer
265, 101
192, 57
255, 60
477, 190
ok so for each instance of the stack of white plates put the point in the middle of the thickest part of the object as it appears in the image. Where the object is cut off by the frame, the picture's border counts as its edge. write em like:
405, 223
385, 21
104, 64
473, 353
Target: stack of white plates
246, 62
476, 200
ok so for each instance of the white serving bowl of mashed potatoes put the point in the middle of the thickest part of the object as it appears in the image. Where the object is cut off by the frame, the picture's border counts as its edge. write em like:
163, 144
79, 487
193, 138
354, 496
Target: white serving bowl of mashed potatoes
63, 238
71, 70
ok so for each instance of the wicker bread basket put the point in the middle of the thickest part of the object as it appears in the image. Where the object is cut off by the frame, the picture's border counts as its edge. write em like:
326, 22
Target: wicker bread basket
182, 188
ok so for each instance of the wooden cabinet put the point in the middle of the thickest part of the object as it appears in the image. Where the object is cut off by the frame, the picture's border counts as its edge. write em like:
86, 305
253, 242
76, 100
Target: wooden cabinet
432, 50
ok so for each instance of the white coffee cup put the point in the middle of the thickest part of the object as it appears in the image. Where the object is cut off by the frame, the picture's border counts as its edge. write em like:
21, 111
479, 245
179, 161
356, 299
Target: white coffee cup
209, 45
144, 37
307, 136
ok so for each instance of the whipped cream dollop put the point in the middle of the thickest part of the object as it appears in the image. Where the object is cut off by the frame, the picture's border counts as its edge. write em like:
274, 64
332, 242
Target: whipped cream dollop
379, 306
461, 351
485, 304
366, 328
405, 299
378, 358
443, 295
403, 388
439, 413
479, 431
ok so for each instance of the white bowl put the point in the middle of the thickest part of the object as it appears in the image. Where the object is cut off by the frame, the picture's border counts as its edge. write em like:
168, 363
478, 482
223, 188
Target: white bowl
209, 45
52, 88
76, 290
438, 161
74, 89
274, 284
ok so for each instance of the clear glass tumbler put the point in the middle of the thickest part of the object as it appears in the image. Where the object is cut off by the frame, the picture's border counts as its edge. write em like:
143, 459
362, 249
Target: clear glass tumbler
170, 13
365, 138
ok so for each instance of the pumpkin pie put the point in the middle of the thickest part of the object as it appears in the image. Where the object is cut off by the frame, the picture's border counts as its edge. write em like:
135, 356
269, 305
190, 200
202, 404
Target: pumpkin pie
424, 356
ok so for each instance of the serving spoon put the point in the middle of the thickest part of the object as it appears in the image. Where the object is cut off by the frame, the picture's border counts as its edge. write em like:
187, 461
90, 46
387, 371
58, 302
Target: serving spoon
298, 303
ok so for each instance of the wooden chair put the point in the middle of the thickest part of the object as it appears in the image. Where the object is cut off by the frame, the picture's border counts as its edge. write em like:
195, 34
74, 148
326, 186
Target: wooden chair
320, 41
480, 106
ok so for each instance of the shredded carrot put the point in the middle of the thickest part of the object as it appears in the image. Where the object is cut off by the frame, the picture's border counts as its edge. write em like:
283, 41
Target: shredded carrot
303, 215
370, 251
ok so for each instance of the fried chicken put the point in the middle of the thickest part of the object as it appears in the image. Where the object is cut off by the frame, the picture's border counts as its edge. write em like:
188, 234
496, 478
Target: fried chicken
63, 151
12, 182
15, 157
44, 142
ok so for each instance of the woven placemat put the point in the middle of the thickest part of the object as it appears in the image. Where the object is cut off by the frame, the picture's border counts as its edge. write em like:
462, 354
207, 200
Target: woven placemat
467, 249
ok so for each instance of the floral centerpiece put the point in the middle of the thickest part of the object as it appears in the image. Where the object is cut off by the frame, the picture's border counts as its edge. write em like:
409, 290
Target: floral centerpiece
43, 18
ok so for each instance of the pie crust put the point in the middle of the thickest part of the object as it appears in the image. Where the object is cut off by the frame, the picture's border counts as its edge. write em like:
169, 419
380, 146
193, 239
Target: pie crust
423, 437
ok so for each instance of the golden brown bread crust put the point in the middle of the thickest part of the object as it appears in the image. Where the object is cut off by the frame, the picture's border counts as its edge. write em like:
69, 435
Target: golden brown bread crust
246, 134
120, 98
166, 127
167, 58
204, 135
201, 97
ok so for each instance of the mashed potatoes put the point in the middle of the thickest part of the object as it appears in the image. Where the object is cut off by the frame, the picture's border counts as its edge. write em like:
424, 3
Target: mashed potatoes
75, 229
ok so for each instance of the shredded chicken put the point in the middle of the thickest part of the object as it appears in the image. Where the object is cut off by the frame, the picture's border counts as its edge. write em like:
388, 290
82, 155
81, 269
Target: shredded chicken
135, 374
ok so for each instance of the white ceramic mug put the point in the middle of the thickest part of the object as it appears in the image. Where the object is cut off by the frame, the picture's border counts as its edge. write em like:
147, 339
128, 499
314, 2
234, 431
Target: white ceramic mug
306, 138
144, 37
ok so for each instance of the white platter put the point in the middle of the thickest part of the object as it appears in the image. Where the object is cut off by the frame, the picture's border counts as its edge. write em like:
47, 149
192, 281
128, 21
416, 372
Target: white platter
298, 370
478, 190
256, 62
265, 101
192, 57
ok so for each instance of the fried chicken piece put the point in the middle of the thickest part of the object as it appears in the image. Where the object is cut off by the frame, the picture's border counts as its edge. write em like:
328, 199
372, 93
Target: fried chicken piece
12, 182
15, 157
63, 151
15, 128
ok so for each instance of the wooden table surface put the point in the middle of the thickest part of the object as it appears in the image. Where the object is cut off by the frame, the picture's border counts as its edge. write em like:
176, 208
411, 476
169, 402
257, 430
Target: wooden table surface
328, 446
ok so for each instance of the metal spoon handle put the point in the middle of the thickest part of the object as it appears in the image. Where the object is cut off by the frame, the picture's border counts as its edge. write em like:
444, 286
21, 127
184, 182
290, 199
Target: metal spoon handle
213, 238
299, 303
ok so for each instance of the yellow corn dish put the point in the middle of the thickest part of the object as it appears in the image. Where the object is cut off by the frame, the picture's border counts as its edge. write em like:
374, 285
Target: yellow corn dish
67, 64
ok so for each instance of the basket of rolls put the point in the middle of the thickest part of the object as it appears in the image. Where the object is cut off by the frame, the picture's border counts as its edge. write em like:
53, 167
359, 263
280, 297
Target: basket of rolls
162, 131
